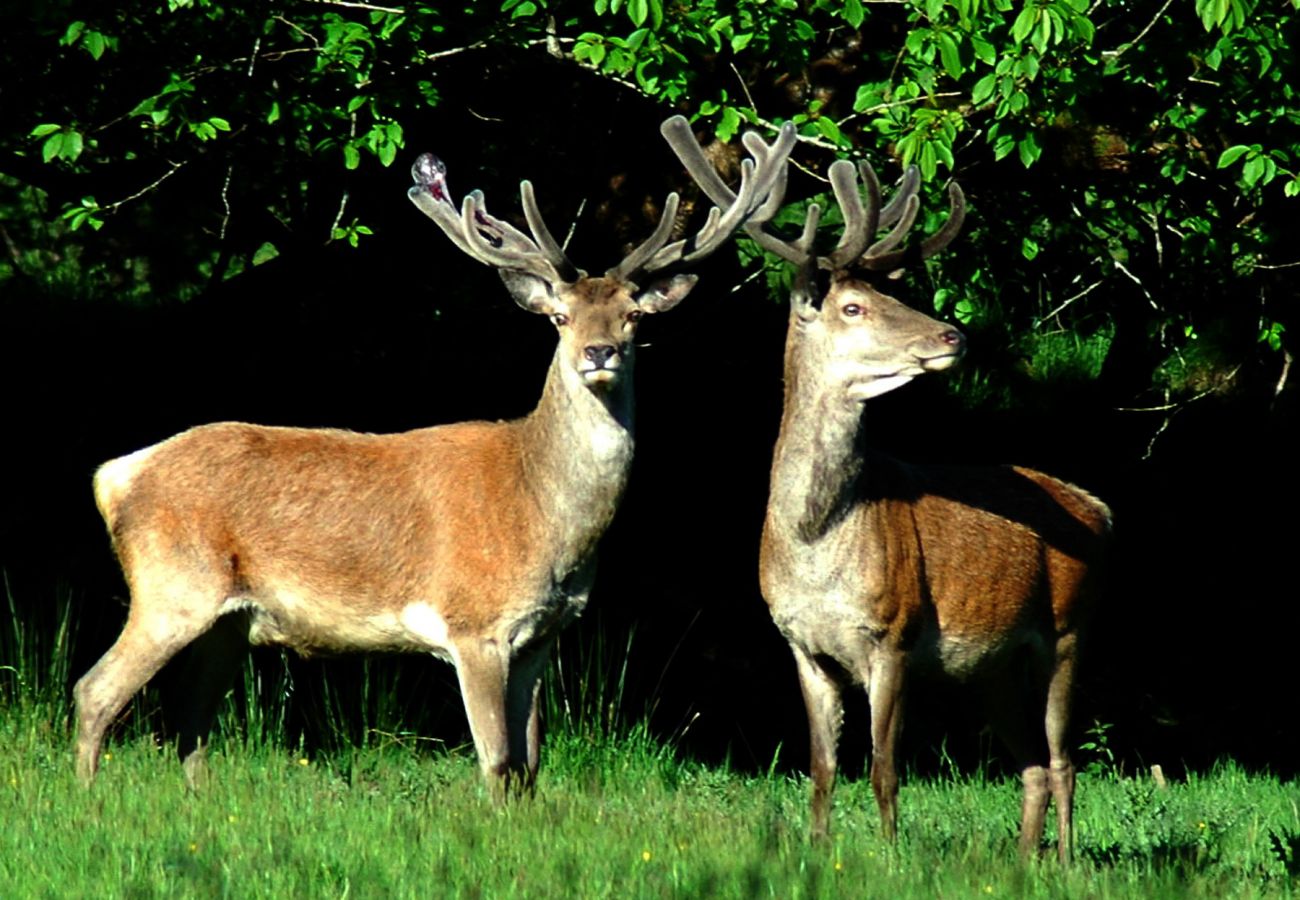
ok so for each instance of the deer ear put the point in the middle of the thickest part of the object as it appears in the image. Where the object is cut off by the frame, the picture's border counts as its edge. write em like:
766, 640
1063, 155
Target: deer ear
663, 295
531, 292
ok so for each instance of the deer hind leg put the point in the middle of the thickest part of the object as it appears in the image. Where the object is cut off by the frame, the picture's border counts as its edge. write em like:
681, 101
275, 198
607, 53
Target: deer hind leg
1061, 773
825, 705
1012, 710
156, 629
885, 692
210, 664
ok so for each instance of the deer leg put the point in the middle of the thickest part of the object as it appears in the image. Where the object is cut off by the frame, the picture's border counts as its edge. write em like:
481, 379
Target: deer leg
210, 666
482, 669
146, 643
523, 719
1061, 773
1011, 713
825, 705
885, 692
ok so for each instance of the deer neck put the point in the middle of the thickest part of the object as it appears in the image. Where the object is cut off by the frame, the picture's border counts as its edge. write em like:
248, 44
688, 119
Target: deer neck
577, 452
820, 456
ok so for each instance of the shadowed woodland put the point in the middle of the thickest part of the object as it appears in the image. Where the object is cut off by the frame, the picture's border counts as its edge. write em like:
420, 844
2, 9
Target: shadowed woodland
168, 311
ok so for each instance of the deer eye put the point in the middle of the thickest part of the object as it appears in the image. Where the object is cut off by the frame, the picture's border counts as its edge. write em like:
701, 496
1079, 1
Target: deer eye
853, 309
635, 315
560, 320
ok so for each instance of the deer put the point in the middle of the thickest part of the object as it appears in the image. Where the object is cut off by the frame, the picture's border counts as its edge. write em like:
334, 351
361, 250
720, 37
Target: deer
474, 542
874, 569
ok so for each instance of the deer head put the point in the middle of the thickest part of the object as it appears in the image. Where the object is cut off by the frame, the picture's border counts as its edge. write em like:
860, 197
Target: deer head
597, 316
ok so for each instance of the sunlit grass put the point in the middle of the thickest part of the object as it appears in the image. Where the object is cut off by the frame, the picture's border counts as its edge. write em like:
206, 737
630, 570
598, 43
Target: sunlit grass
619, 818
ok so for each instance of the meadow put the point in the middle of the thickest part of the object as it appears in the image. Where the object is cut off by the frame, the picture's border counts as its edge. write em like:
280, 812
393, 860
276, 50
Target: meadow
617, 813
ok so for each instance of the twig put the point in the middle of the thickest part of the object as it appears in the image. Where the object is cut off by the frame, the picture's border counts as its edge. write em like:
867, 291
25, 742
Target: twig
338, 217
1287, 359
113, 207
881, 107
573, 226
1083, 293
1290, 265
225, 203
352, 5
1116, 54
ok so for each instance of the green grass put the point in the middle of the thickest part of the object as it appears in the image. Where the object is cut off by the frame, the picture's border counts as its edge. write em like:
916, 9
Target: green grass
621, 817
378, 812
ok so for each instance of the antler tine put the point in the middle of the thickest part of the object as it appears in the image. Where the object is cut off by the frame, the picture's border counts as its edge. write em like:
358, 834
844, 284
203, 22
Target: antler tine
884, 262
762, 180
481, 236
895, 237
542, 235
677, 132
525, 256
803, 293
860, 223
908, 187
642, 255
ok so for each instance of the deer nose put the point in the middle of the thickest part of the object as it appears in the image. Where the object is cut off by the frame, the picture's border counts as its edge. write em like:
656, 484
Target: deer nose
600, 353
954, 338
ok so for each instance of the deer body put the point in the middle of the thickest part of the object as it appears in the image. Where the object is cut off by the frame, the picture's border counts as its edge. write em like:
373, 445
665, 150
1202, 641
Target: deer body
874, 569
475, 542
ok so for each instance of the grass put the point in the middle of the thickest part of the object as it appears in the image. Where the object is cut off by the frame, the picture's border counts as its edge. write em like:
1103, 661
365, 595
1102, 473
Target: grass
622, 817
378, 812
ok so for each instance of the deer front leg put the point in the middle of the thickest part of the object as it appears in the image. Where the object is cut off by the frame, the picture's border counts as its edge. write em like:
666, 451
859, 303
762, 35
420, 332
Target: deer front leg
523, 718
825, 705
885, 693
482, 669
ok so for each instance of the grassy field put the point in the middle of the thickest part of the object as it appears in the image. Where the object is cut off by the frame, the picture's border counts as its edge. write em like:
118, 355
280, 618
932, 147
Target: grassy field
612, 817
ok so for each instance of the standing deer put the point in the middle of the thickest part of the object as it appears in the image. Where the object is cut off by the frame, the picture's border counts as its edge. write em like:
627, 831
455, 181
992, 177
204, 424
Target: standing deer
874, 568
475, 542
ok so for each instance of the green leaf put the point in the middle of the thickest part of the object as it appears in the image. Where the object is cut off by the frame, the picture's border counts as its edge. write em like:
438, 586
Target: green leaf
53, 147
983, 88
95, 44
1231, 155
1253, 170
638, 11
73, 143
854, 13
351, 156
1024, 23
73, 32
356, 103
265, 253
274, 115
219, 123
729, 124
949, 56
1028, 247
1029, 150
741, 41
44, 129
985, 52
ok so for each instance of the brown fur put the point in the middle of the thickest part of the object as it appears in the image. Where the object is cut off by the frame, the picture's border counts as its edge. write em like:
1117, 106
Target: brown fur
874, 569
474, 541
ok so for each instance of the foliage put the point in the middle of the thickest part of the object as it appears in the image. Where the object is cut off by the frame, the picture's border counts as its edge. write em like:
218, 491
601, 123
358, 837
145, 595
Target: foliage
1145, 155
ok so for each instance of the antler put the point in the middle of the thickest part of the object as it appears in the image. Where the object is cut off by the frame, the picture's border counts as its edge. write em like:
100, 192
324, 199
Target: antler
861, 221
762, 188
484, 237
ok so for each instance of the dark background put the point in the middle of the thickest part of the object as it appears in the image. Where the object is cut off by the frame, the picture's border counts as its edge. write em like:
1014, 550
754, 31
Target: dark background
1190, 659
